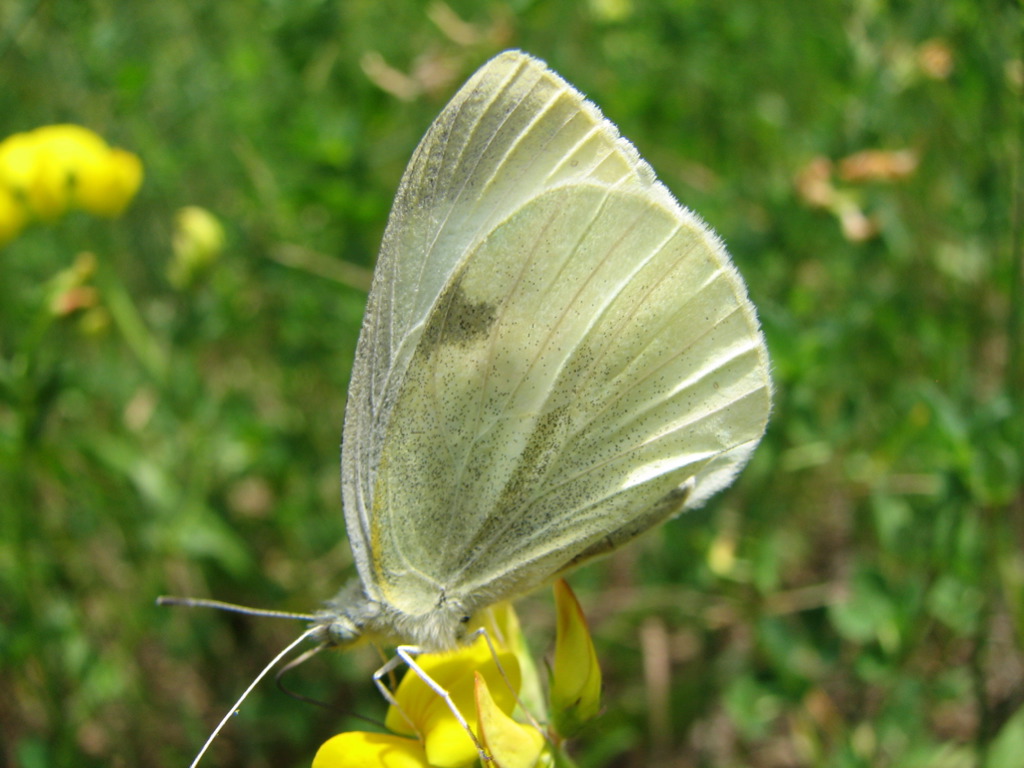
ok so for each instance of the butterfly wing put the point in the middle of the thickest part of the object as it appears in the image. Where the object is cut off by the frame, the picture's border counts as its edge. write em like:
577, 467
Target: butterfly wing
555, 357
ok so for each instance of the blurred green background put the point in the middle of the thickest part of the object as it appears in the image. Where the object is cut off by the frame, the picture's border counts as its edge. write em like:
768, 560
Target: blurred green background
857, 599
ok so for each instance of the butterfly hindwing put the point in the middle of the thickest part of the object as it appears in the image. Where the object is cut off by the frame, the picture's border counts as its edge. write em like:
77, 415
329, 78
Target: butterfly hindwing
593, 355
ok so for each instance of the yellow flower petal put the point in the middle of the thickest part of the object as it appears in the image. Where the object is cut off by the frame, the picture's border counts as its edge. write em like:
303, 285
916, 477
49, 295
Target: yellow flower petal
27, 171
576, 675
68, 156
510, 744
358, 749
446, 741
106, 183
503, 623
447, 745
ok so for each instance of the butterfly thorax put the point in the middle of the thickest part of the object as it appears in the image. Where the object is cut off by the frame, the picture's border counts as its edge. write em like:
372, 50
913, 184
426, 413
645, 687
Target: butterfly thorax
352, 615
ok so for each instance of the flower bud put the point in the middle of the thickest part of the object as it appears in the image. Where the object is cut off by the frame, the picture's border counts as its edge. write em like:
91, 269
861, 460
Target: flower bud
576, 675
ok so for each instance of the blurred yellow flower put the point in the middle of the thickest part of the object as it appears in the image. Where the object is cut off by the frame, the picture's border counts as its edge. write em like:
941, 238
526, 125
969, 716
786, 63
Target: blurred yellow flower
55, 168
197, 242
106, 183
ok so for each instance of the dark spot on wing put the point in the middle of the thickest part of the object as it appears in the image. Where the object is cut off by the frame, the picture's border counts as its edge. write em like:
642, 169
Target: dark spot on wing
457, 320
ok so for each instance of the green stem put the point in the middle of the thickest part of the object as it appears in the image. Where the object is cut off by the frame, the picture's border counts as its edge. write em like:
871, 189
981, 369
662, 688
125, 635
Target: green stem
136, 334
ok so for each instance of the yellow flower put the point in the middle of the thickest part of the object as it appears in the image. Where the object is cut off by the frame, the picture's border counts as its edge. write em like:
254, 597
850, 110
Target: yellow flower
198, 241
425, 713
57, 167
438, 740
485, 687
576, 675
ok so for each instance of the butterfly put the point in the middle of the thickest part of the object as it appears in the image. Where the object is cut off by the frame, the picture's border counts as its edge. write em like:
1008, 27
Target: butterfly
556, 357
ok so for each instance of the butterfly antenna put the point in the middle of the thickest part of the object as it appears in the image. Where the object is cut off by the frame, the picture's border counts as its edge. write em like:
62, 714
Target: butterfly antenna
200, 602
263, 672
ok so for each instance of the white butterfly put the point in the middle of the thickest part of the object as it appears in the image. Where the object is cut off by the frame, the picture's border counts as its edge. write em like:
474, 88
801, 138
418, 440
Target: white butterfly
556, 356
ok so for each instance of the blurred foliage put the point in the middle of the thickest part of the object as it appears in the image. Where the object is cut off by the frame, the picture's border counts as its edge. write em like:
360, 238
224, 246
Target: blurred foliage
856, 600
